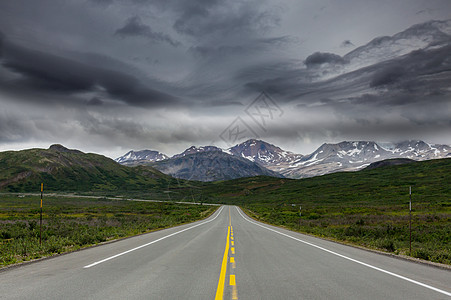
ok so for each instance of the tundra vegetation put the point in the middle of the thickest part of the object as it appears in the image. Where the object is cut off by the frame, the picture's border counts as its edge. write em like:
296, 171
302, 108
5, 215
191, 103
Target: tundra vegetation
73, 223
368, 208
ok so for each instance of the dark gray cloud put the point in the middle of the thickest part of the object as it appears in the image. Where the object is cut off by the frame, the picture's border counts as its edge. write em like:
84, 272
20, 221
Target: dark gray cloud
421, 72
2, 38
102, 2
209, 51
135, 27
347, 43
95, 101
388, 75
319, 58
48, 73
205, 18
250, 46
13, 129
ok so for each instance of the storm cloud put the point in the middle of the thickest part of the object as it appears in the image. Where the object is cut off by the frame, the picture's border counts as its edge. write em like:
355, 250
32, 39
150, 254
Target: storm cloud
113, 75
135, 27
347, 43
48, 73
200, 18
319, 58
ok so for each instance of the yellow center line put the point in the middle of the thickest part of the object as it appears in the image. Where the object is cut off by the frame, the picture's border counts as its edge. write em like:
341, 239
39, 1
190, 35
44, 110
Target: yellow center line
234, 293
232, 280
233, 284
222, 275
232, 261
221, 282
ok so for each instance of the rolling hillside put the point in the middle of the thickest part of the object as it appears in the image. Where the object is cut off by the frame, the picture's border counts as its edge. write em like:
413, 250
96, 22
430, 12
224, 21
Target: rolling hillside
62, 169
429, 179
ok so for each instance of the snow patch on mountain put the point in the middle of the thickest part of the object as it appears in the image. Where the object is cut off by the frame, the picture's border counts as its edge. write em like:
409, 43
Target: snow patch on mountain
143, 156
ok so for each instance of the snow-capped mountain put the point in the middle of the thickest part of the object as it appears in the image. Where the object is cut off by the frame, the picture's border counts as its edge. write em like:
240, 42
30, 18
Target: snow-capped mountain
263, 153
194, 149
133, 157
211, 166
328, 158
420, 150
353, 156
208, 163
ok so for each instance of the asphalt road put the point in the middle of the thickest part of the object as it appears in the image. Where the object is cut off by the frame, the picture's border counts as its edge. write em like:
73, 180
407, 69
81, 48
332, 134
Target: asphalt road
227, 255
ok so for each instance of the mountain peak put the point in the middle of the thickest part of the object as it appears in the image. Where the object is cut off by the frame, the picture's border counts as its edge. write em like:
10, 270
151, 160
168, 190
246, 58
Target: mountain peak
194, 149
263, 153
147, 156
61, 148
254, 141
211, 165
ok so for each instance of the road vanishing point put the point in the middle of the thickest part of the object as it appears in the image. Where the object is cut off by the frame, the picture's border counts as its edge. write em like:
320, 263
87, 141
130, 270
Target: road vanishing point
227, 256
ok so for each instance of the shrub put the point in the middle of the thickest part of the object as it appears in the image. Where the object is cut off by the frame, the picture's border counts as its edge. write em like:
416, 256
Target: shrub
386, 244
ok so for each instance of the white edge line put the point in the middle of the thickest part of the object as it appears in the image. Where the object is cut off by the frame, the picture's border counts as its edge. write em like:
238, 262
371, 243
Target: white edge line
351, 259
153, 242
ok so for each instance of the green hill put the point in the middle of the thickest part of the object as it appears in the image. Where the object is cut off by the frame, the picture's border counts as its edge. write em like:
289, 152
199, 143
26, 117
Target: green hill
62, 169
430, 181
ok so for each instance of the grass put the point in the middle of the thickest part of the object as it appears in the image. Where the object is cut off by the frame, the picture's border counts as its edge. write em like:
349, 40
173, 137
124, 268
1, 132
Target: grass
71, 224
377, 227
369, 208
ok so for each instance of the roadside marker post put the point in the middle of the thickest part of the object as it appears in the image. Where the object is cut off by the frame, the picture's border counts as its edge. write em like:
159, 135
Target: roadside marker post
40, 218
300, 215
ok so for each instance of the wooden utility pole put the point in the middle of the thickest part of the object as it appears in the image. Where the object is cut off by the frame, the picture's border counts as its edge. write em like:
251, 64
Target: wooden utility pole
410, 220
40, 219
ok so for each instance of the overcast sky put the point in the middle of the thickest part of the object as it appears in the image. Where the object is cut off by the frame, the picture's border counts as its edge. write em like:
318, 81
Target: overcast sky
108, 76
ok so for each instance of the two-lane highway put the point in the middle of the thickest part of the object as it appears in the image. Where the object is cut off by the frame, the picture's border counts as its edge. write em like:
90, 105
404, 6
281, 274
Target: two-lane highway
227, 255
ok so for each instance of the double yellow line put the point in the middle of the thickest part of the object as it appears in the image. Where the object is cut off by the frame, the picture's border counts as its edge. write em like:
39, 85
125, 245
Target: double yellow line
232, 281
222, 276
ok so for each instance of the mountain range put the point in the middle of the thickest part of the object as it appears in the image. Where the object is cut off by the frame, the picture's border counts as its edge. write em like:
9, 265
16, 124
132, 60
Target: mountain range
65, 169
256, 157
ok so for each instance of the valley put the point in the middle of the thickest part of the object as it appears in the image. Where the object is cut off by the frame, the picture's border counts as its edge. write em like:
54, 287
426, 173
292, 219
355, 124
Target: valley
367, 207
